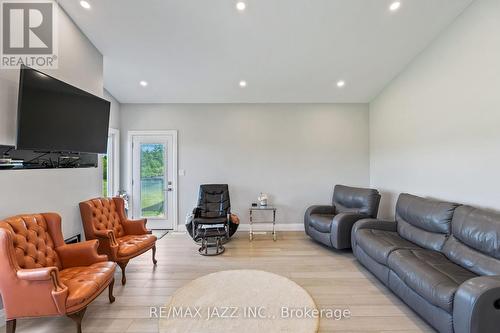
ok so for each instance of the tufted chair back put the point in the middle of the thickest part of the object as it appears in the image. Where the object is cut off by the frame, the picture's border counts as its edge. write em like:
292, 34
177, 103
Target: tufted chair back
33, 243
105, 215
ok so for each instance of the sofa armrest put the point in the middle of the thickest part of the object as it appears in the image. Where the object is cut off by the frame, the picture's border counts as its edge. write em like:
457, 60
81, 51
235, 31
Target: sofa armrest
320, 209
371, 224
44, 288
476, 307
38, 274
80, 254
196, 212
316, 209
341, 229
107, 235
108, 242
375, 224
135, 227
42, 274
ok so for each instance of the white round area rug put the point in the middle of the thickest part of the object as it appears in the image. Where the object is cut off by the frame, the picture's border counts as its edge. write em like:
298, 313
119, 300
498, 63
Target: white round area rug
240, 301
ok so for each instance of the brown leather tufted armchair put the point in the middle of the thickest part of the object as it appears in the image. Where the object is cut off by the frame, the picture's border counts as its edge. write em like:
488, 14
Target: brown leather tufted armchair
120, 238
42, 276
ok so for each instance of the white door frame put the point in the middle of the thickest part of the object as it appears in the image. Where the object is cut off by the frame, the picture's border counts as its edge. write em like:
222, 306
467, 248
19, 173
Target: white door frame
173, 133
115, 164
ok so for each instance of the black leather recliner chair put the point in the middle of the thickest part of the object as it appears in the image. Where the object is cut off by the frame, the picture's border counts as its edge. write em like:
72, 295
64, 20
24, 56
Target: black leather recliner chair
211, 221
331, 225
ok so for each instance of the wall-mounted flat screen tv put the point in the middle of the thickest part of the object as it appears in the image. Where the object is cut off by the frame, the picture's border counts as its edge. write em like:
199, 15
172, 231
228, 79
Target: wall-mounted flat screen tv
54, 116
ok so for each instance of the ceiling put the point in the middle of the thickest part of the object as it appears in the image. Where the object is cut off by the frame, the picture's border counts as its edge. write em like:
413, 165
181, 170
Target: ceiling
288, 51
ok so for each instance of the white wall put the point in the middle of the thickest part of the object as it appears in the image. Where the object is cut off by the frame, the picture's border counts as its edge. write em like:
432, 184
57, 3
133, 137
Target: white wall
31, 191
296, 153
114, 117
435, 129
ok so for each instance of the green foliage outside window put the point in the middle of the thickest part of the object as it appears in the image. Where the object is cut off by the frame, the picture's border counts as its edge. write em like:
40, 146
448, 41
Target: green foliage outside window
152, 161
105, 175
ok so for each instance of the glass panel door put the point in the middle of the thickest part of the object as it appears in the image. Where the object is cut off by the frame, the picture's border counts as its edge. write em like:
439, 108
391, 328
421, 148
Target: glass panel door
153, 180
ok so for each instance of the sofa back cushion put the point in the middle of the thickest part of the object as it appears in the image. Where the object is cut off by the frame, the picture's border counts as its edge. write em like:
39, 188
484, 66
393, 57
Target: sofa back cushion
475, 240
356, 200
32, 242
105, 216
425, 222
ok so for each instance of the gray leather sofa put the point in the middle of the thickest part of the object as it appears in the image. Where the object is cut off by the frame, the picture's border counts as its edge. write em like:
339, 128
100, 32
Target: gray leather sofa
331, 225
441, 258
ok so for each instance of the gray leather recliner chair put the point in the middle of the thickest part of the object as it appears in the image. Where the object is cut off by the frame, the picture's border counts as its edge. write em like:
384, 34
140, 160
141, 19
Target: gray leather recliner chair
440, 258
332, 225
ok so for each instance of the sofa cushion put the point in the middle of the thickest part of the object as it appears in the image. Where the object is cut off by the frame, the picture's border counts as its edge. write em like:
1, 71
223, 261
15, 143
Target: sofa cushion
84, 282
321, 222
430, 274
425, 222
378, 244
475, 240
321, 237
440, 320
131, 245
356, 200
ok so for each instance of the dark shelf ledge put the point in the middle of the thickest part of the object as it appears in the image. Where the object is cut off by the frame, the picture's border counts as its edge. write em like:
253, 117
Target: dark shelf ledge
33, 160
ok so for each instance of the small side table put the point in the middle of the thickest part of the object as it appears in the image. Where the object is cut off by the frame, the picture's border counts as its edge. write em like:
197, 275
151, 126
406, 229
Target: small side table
262, 208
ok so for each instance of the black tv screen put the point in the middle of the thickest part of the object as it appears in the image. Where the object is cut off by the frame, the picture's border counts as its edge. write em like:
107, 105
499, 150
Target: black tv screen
54, 116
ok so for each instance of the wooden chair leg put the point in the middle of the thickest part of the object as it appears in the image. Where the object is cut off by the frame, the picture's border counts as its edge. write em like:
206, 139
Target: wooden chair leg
122, 265
154, 255
10, 326
78, 318
110, 289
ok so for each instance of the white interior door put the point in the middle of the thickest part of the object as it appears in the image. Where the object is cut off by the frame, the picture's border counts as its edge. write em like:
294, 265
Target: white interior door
153, 180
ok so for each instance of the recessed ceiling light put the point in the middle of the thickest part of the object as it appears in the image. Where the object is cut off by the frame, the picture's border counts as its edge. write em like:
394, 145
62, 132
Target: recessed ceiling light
341, 83
394, 6
241, 6
143, 83
243, 84
85, 4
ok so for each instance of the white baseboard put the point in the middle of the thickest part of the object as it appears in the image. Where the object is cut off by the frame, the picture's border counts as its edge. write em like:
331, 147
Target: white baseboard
181, 228
261, 227
269, 227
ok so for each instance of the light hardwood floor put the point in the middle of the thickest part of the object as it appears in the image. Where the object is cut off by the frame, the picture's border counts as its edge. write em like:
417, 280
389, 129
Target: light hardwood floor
333, 278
